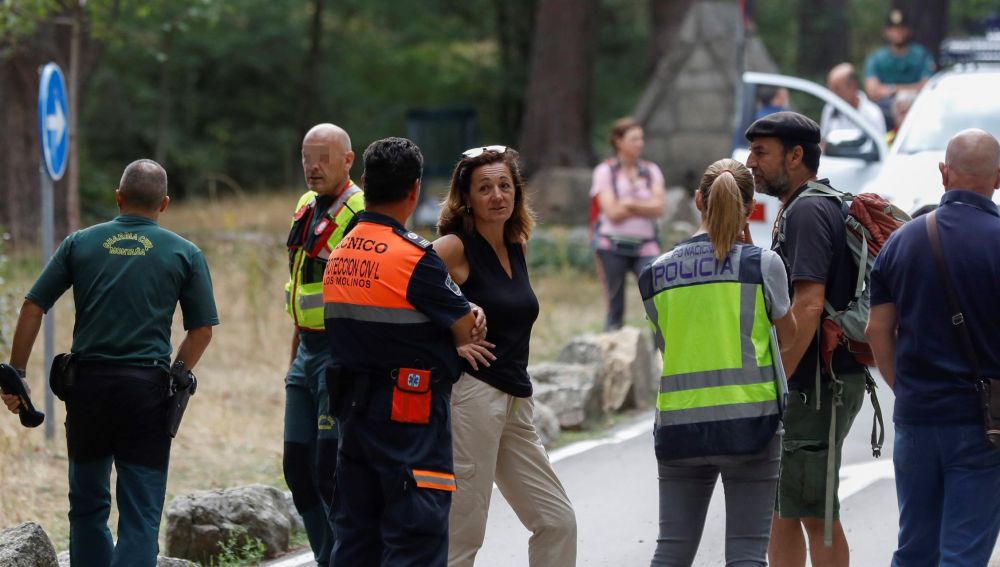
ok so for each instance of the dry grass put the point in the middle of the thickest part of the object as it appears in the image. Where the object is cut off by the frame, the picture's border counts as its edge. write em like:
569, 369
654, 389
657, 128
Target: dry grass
232, 433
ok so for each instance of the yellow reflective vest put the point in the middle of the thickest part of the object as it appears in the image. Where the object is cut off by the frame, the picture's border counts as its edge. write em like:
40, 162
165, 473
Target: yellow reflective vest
310, 241
722, 386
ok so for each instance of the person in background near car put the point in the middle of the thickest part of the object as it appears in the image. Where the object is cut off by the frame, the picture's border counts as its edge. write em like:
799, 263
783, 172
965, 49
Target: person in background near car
947, 474
771, 100
844, 83
784, 157
484, 226
900, 108
718, 406
901, 65
629, 195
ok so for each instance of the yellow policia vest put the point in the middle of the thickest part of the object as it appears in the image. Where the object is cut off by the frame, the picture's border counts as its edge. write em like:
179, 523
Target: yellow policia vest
309, 244
722, 379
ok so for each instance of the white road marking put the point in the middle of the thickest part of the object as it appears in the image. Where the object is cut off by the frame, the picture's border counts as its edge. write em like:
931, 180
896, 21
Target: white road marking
297, 560
859, 476
644, 425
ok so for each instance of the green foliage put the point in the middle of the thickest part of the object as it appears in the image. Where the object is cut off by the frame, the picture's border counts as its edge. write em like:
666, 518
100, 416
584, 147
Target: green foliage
19, 18
559, 249
226, 88
239, 549
622, 67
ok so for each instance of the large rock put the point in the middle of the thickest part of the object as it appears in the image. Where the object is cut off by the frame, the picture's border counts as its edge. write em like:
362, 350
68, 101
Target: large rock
624, 363
197, 523
560, 194
160, 561
687, 107
26, 545
546, 423
571, 390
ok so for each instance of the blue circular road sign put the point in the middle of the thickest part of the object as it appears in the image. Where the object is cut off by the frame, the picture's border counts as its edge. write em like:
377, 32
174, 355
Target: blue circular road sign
53, 120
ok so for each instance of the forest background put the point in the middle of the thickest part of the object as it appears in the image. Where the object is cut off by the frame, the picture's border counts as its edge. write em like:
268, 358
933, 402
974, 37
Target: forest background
221, 92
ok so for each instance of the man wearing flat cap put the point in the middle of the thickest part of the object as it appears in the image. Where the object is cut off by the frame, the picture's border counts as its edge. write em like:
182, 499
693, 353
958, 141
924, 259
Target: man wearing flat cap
811, 239
900, 65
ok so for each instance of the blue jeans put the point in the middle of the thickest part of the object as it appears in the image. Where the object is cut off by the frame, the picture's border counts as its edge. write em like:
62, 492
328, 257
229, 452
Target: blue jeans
948, 486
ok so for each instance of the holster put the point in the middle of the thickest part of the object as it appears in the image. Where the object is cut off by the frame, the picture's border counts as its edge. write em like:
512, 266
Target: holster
348, 391
182, 386
62, 375
335, 385
989, 396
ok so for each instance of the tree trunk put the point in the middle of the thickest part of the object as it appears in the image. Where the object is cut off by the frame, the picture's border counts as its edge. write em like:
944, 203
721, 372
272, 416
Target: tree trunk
20, 154
928, 22
556, 126
165, 99
310, 107
822, 37
515, 29
666, 18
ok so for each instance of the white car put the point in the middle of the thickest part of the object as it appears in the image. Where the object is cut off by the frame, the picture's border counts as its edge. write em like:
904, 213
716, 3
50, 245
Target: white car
963, 97
851, 158
966, 96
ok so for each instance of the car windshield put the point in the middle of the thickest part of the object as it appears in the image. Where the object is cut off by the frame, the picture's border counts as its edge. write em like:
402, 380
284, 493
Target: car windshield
957, 102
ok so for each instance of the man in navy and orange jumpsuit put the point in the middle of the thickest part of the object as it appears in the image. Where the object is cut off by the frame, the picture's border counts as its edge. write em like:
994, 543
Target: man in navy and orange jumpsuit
393, 320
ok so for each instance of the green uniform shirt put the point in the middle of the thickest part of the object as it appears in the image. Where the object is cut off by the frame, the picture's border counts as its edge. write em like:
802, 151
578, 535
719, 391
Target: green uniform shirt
915, 65
127, 277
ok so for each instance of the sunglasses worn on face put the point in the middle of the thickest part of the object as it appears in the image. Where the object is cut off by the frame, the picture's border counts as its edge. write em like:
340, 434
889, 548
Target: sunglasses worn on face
476, 152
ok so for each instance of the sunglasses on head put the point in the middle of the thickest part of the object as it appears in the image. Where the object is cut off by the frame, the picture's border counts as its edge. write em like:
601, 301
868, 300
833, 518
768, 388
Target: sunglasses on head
476, 152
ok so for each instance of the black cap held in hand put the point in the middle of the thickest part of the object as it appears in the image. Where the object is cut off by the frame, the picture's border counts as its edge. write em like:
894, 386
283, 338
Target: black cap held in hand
785, 125
10, 383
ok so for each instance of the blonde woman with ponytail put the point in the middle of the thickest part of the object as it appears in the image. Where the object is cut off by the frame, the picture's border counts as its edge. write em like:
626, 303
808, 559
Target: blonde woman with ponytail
719, 309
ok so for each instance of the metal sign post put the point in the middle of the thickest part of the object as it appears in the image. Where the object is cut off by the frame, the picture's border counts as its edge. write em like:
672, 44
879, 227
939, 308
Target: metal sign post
54, 136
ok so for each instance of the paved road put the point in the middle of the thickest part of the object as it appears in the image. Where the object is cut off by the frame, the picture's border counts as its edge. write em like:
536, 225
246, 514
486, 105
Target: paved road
612, 483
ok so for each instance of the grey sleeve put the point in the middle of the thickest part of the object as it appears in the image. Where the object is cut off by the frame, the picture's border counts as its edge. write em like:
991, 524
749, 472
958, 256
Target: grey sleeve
775, 285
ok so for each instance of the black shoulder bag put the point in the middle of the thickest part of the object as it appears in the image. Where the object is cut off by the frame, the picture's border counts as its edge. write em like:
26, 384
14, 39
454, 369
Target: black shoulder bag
988, 388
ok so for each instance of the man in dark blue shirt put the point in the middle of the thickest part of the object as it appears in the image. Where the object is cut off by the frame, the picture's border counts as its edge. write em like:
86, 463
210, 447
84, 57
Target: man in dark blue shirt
947, 474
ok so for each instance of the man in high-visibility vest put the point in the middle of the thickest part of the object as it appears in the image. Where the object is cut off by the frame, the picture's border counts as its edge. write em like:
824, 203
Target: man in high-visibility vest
322, 216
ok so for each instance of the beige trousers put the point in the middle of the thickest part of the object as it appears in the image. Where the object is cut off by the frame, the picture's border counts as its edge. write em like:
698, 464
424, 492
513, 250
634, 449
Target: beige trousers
494, 440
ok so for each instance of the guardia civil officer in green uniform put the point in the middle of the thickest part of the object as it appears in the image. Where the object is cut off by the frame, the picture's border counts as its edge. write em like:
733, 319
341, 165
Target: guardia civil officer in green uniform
711, 301
127, 275
322, 216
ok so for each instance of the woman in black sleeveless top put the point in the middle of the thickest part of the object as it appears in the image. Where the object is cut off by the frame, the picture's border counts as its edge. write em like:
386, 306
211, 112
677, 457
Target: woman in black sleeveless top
484, 227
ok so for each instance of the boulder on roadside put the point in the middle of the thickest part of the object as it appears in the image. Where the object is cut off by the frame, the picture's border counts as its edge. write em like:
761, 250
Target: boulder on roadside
546, 423
26, 545
560, 194
198, 523
625, 366
571, 390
